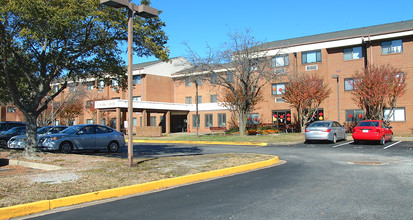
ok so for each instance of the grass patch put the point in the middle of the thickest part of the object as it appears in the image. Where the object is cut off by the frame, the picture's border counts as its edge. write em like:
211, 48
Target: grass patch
274, 138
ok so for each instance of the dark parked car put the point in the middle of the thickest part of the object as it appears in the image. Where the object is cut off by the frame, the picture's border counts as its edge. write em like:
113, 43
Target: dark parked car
19, 142
83, 137
5, 136
7, 125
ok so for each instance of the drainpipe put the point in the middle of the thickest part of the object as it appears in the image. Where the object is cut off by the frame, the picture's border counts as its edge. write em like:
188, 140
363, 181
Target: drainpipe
371, 52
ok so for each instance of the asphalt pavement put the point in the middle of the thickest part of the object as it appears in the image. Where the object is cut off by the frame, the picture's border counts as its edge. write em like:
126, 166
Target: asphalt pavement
318, 181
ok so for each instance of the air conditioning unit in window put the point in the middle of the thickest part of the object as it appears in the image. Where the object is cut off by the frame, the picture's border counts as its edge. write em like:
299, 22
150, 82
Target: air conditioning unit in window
311, 67
279, 100
279, 71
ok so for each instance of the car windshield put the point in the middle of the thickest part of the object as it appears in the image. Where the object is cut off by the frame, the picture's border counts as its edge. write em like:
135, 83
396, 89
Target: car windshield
42, 130
319, 124
12, 131
3, 127
369, 124
71, 130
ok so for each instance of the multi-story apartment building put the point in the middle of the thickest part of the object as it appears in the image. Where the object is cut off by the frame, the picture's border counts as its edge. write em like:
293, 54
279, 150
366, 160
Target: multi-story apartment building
162, 96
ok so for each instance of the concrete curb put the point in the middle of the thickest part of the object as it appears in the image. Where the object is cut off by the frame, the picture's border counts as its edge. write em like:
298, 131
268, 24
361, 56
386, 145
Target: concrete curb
35, 207
199, 142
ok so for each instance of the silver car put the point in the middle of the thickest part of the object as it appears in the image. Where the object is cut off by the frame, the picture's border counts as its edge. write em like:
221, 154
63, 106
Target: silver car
19, 142
325, 130
83, 137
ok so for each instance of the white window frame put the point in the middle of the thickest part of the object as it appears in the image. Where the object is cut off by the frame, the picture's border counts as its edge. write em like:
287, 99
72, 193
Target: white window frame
278, 86
305, 56
281, 60
399, 114
348, 84
392, 46
353, 53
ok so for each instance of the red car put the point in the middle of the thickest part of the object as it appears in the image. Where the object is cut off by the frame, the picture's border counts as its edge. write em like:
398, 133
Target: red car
372, 130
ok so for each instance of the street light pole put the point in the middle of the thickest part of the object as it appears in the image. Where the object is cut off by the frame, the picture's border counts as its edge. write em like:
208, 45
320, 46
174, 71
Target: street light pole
338, 96
146, 12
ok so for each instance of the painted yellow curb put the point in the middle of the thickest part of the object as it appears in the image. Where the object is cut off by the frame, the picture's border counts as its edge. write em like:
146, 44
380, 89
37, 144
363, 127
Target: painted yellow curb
35, 207
199, 142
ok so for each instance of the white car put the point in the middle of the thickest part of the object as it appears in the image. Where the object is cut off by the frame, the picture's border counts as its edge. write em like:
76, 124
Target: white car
19, 142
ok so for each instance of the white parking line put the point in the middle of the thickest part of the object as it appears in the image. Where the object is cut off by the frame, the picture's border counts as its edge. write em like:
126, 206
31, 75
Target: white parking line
391, 145
342, 144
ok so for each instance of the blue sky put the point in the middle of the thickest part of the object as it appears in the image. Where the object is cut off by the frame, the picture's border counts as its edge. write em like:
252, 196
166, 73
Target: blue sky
199, 22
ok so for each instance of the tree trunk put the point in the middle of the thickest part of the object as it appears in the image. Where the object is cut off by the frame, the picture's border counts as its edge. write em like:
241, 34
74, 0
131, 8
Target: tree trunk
242, 123
31, 135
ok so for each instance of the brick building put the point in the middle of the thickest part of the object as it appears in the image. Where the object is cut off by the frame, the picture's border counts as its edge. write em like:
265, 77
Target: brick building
162, 97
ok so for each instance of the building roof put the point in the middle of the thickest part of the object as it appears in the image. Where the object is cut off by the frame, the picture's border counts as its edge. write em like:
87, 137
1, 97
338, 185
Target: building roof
364, 31
146, 64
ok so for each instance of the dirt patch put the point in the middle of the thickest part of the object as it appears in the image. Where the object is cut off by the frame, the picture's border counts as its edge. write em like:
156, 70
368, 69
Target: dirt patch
83, 173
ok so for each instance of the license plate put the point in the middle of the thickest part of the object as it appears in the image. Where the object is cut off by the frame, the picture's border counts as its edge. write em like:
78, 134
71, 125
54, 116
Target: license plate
365, 131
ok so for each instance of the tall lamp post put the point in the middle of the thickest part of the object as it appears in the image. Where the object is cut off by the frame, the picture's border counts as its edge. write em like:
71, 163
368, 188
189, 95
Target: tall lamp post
338, 96
146, 12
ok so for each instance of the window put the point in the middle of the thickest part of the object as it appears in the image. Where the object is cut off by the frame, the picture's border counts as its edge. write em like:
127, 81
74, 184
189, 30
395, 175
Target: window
208, 120
188, 81
188, 100
230, 77
90, 86
348, 84
89, 121
214, 99
279, 61
135, 122
281, 117
72, 87
213, 78
199, 81
222, 120
136, 98
153, 120
253, 118
278, 88
103, 121
136, 80
355, 115
89, 104
393, 46
194, 120
199, 99
311, 56
113, 123
353, 53
101, 84
399, 114
317, 115
115, 84
56, 88
116, 98
11, 109
56, 122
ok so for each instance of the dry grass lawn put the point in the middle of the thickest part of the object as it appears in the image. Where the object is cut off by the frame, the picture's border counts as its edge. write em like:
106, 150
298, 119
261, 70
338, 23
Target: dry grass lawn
83, 173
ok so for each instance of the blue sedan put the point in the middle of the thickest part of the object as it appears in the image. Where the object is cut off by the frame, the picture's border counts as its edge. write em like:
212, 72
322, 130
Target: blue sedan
83, 137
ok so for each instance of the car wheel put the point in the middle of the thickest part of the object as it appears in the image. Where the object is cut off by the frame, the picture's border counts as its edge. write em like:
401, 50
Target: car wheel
334, 139
383, 141
66, 147
113, 147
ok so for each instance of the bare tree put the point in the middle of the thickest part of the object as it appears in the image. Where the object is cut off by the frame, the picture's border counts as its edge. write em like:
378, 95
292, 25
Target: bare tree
241, 67
305, 93
379, 87
57, 107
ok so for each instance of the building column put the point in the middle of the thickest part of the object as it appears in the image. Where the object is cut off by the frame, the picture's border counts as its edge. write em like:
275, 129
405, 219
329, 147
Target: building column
148, 119
168, 122
118, 119
98, 117
144, 118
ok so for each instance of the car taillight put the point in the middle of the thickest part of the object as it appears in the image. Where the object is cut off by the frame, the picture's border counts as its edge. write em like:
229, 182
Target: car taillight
307, 130
377, 130
327, 130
